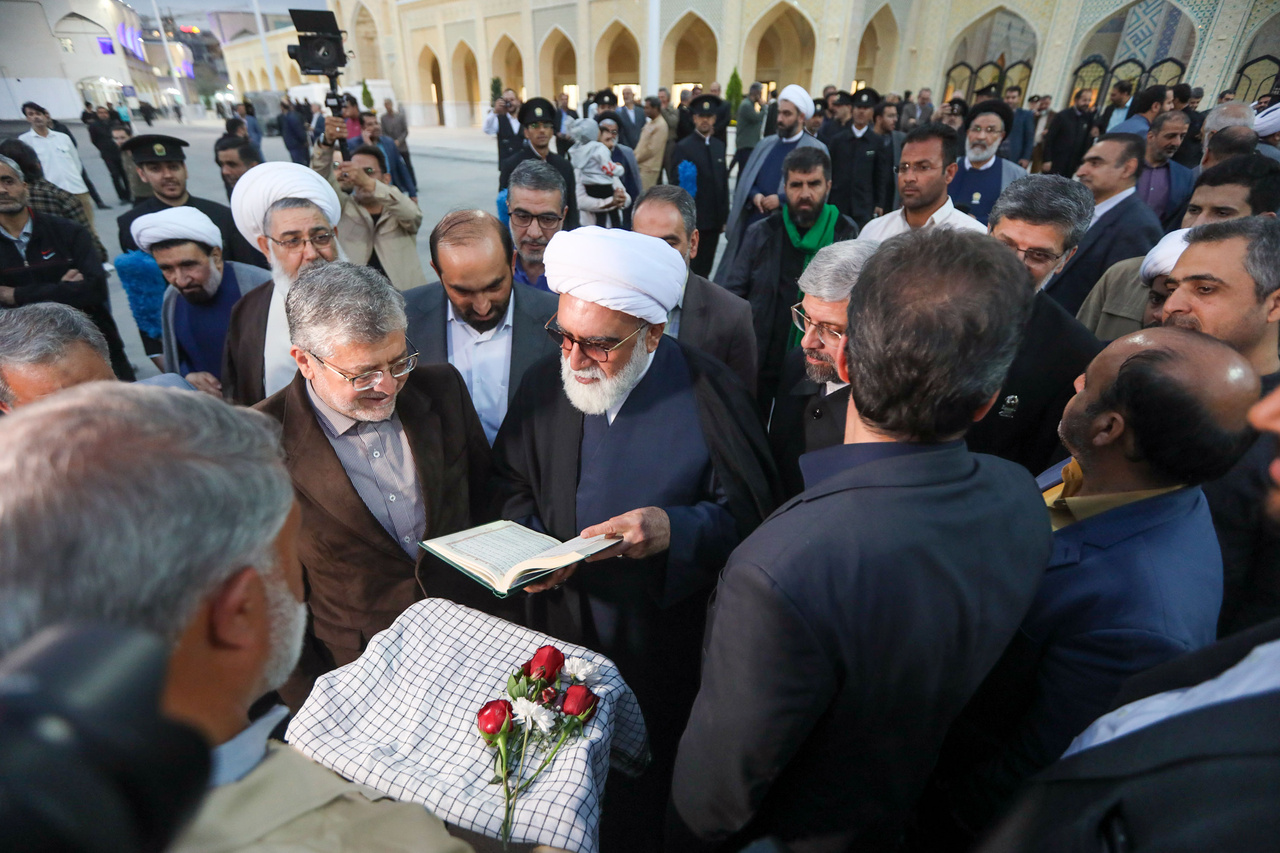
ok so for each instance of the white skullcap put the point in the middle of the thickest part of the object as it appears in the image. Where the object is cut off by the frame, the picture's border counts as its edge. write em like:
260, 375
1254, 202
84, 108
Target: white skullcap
1164, 257
620, 270
176, 223
799, 96
267, 183
1267, 122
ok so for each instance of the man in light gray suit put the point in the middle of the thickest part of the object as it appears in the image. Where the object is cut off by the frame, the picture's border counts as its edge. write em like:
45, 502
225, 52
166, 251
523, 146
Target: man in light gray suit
475, 318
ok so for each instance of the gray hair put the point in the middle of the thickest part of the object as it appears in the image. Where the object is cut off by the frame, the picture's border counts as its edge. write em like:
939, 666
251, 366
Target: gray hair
42, 333
291, 203
538, 176
340, 303
13, 164
1230, 114
755, 88
653, 101
1263, 237
834, 270
151, 498
1197, 92
676, 196
1047, 200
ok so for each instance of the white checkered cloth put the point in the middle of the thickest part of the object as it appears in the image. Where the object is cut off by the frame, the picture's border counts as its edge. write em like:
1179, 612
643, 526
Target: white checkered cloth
402, 720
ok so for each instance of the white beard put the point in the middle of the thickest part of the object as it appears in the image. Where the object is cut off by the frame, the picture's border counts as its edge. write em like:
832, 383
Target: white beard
599, 397
288, 626
978, 154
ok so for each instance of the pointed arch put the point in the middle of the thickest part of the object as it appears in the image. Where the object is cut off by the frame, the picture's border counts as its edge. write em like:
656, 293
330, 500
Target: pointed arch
1127, 39
466, 85
990, 43
430, 87
295, 79
364, 38
875, 62
617, 58
558, 65
689, 53
508, 65
240, 89
779, 48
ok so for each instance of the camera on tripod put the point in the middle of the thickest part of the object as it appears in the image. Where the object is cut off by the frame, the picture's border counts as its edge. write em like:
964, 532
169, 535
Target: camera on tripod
319, 50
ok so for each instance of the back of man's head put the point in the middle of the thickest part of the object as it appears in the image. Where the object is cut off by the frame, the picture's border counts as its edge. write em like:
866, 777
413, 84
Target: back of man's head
835, 269
1047, 200
1234, 141
47, 347
342, 303
1260, 174
1147, 99
1226, 115
1124, 87
25, 156
1182, 93
934, 323
234, 126
469, 227
150, 499
1185, 398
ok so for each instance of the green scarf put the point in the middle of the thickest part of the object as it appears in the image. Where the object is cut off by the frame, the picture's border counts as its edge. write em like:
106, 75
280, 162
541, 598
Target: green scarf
820, 235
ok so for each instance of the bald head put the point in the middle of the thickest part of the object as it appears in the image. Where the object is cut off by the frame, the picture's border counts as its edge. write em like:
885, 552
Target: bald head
472, 252
1161, 407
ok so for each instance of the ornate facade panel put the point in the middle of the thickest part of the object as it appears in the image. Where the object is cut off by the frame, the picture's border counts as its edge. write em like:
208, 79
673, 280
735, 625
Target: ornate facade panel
564, 16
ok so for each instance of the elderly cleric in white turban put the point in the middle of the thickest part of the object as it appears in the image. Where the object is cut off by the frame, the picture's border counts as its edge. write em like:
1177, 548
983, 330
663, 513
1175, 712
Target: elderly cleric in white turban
1268, 122
1164, 256
267, 183
800, 97
620, 270
175, 223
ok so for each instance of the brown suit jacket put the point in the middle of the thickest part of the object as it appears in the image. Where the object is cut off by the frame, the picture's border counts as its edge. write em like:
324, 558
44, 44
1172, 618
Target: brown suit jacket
358, 579
719, 323
242, 363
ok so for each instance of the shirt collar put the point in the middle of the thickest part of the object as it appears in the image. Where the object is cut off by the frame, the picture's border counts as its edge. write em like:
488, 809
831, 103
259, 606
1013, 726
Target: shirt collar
968, 164
859, 133
1100, 210
236, 759
1066, 508
334, 422
484, 336
25, 232
793, 138
823, 464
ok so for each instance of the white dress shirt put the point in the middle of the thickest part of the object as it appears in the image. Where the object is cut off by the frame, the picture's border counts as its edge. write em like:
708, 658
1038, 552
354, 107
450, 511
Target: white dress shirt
859, 133
490, 125
892, 224
1101, 210
278, 367
972, 167
59, 159
673, 316
484, 360
1258, 673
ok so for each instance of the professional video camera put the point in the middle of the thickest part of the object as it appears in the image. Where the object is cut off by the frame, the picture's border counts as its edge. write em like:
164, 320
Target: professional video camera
87, 763
319, 51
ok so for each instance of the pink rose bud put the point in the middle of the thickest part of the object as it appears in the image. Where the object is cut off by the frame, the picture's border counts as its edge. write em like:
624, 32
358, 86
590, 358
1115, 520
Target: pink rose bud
494, 719
580, 702
545, 664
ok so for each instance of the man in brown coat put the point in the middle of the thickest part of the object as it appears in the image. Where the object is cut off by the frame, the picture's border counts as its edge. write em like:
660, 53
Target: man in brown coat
383, 454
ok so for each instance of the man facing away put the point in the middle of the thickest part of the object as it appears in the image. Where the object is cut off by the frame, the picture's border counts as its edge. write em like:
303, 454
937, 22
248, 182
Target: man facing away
1157, 413
475, 318
632, 434
225, 595
774, 253
1122, 227
706, 315
382, 456
196, 313
849, 630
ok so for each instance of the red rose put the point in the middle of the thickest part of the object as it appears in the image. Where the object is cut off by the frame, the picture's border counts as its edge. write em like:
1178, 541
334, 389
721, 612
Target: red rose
495, 719
546, 664
580, 702
548, 696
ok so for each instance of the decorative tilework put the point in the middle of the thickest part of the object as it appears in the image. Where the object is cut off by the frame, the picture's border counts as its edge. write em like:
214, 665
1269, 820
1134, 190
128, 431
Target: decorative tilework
711, 11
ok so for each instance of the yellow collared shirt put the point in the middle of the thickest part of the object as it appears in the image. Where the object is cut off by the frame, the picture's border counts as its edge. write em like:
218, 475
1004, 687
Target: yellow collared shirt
1066, 508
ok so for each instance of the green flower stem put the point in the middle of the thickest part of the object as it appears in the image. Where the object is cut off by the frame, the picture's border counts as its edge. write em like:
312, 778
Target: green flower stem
511, 800
543, 766
506, 790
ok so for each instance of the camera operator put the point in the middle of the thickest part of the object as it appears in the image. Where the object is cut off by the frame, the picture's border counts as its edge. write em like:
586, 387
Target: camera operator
172, 512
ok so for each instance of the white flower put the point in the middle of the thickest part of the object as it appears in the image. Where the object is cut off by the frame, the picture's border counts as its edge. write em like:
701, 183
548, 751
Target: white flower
530, 712
581, 669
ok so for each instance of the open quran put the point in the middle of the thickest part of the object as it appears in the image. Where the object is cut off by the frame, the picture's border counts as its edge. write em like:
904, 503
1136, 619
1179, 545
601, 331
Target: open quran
506, 557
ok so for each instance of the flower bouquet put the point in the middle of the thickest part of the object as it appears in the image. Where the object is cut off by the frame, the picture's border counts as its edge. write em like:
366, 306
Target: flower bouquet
550, 701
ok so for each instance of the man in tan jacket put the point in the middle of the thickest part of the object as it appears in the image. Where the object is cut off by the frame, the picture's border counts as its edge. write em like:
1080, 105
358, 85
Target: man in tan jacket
652, 147
226, 593
379, 224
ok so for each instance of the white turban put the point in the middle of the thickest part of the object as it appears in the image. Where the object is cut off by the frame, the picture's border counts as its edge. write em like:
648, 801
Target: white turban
620, 270
1267, 122
1164, 257
267, 183
176, 223
800, 97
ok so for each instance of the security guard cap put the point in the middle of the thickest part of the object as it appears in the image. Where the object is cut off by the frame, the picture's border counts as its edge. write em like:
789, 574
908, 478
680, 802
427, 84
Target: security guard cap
705, 105
537, 110
866, 98
156, 148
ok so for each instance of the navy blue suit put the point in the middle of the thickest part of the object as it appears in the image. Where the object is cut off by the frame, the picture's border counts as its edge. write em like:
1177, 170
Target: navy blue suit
1125, 590
1021, 139
846, 634
1181, 182
1128, 230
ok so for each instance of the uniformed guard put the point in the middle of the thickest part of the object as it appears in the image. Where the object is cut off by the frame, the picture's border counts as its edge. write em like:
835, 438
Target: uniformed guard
706, 178
861, 174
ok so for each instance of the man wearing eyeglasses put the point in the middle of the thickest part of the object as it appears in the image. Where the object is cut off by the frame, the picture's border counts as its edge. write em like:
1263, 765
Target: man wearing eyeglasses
1041, 218
382, 456
475, 318
379, 222
926, 167
292, 214
982, 175
536, 211
538, 118
632, 434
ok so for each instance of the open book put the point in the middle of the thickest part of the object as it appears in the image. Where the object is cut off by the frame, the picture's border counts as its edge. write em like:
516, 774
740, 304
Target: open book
506, 556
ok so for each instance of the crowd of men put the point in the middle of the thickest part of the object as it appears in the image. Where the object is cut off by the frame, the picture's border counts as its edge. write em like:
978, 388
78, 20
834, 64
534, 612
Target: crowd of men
945, 505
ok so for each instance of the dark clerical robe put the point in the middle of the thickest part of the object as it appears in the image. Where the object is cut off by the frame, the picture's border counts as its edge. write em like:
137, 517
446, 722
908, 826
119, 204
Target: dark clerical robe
687, 440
